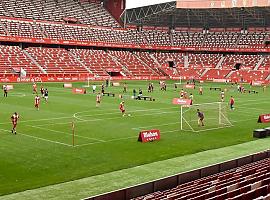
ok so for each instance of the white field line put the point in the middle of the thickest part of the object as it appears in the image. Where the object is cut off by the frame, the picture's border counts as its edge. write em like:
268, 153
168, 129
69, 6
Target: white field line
38, 120
51, 130
110, 118
134, 111
38, 138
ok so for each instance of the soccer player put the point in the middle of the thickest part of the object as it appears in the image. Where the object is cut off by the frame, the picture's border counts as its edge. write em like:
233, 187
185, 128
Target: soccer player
46, 95
182, 93
98, 100
125, 88
14, 120
200, 90
222, 96
94, 88
42, 91
191, 98
264, 88
122, 108
149, 87
34, 88
232, 103
134, 93
5, 89
200, 117
37, 102
102, 89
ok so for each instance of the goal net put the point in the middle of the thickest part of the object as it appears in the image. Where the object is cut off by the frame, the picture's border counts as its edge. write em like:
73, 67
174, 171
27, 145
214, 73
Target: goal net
215, 117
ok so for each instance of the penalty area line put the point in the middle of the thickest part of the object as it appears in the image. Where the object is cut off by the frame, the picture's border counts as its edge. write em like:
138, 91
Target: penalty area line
55, 131
38, 138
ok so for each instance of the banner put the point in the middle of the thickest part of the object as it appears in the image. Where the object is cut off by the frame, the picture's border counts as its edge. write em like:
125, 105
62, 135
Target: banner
190, 86
10, 87
179, 101
264, 118
250, 48
220, 80
67, 85
257, 83
79, 91
148, 136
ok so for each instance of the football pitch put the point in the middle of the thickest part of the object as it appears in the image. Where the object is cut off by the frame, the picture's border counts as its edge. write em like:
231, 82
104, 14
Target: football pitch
43, 153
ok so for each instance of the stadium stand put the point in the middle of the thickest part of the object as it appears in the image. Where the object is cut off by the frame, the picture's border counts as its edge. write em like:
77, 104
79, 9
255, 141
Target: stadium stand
85, 12
56, 61
247, 182
245, 178
98, 61
132, 63
12, 58
224, 39
58, 20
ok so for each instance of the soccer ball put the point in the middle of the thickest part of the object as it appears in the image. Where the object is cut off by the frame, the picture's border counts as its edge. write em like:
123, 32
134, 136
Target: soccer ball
129, 115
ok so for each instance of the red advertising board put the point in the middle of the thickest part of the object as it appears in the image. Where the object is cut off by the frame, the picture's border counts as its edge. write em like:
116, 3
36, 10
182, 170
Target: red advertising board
149, 136
179, 101
264, 118
78, 91
190, 86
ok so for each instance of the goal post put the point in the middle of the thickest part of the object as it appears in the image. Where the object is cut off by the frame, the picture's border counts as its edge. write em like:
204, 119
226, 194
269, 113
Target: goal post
215, 116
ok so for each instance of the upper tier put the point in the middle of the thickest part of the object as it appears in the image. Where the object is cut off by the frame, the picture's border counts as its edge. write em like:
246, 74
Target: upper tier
85, 12
86, 35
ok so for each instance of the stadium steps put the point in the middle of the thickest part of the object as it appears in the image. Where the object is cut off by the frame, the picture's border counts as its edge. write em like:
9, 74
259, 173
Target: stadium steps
138, 57
6, 12
186, 62
159, 65
34, 61
204, 39
238, 39
259, 63
218, 66
4, 28
125, 71
204, 72
39, 29
82, 64
229, 74
268, 77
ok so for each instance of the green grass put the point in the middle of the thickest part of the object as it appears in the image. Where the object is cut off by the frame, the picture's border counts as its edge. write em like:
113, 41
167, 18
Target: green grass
42, 153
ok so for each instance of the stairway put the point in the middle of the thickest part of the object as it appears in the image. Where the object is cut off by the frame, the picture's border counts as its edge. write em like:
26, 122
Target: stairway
259, 64
220, 62
82, 64
229, 74
34, 61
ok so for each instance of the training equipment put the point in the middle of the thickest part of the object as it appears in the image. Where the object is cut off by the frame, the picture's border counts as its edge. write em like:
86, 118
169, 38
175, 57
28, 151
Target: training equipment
215, 117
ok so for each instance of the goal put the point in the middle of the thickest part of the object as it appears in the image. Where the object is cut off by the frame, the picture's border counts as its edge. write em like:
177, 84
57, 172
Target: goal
215, 117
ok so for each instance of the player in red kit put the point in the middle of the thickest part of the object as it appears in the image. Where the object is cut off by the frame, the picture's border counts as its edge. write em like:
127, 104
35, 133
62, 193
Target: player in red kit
37, 102
34, 88
200, 90
98, 100
122, 108
232, 103
14, 120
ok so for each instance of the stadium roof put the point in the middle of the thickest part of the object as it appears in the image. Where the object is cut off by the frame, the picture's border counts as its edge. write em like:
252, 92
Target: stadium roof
201, 13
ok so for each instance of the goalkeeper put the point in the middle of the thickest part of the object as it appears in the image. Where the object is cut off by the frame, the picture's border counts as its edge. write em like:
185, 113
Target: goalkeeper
200, 118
